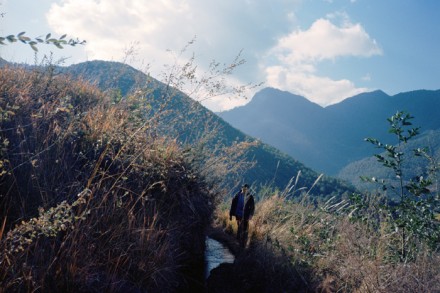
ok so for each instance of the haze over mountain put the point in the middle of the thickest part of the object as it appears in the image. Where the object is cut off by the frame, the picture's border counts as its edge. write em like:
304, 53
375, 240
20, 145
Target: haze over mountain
327, 139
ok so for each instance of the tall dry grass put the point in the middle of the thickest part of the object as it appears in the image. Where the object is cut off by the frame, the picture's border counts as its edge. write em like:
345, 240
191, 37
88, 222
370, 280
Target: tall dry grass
89, 202
303, 248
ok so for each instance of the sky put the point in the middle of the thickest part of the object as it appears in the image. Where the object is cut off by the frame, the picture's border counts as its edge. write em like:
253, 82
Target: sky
324, 50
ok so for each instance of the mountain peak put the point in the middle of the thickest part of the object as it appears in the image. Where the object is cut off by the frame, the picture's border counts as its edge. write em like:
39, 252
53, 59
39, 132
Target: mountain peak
328, 138
274, 100
365, 98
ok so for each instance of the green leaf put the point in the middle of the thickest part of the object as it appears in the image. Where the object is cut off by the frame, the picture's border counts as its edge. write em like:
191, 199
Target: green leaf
379, 158
24, 39
33, 47
11, 38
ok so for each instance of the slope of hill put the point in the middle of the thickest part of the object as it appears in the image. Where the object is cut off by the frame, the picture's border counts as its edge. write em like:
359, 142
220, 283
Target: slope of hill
89, 203
278, 116
283, 120
327, 139
187, 120
3, 62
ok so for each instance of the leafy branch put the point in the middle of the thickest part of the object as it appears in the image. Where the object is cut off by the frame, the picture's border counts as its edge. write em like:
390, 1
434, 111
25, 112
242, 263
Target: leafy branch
57, 42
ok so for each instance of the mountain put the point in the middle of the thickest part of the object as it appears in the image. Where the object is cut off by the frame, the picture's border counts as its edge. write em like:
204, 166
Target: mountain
281, 119
327, 139
412, 165
3, 62
188, 121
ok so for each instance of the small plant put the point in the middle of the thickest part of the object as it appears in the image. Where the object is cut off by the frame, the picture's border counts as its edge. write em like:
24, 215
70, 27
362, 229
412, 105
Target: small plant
48, 224
413, 212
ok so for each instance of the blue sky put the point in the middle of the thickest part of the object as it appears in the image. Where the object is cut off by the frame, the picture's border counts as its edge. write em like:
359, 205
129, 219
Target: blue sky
325, 50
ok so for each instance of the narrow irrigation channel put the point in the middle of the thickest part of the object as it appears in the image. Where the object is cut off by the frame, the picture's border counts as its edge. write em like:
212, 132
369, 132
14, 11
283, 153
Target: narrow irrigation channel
215, 254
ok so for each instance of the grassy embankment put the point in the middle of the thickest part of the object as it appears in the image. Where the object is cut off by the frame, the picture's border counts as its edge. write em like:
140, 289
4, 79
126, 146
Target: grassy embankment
297, 247
88, 201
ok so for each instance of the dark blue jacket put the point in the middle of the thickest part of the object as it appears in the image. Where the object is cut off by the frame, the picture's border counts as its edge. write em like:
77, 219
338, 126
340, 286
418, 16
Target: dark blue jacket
249, 206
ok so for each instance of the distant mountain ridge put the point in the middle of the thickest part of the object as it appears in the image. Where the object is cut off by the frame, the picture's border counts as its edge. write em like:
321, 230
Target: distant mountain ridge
329, 138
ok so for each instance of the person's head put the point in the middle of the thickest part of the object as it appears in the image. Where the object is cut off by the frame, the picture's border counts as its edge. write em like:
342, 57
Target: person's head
245, 188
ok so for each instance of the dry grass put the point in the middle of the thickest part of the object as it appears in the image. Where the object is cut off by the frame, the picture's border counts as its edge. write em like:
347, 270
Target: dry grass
139, 221
326, 252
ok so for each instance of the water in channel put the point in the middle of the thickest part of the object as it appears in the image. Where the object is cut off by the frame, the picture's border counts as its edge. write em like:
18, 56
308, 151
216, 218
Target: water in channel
216, 254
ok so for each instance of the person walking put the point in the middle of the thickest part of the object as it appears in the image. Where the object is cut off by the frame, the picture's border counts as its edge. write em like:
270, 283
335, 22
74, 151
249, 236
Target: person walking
242, 208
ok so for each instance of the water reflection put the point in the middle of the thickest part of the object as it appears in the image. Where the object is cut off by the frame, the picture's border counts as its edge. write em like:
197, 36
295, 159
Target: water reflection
216, 254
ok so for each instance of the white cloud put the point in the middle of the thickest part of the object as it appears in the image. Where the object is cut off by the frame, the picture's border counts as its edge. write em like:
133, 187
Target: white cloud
219, 104
321, 90
324, 41
109, 26
298, 54
222, 28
